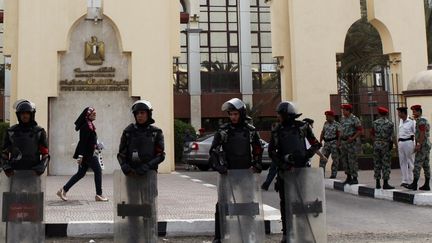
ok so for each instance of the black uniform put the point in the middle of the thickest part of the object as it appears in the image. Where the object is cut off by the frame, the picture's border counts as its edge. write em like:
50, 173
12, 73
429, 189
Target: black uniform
141, 148
287, 148
235, 146
25, 145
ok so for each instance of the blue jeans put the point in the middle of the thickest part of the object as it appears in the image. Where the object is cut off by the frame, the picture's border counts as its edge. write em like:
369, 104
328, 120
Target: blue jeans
92, 163
271, 174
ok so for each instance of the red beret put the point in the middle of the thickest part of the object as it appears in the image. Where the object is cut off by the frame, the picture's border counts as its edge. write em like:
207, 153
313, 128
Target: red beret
416, 107
329, 113
347, 106
383, 110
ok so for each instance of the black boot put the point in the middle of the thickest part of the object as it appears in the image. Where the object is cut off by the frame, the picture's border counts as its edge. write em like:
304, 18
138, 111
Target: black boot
348, 180
387, 186
378, 184
354, 181
413, 185
425, 187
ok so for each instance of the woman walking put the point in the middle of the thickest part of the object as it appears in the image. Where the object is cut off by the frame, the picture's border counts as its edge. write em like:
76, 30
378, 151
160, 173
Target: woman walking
85, 154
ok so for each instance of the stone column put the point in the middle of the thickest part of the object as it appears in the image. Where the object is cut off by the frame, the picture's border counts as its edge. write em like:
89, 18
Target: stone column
7, 88
245, 48
194, 72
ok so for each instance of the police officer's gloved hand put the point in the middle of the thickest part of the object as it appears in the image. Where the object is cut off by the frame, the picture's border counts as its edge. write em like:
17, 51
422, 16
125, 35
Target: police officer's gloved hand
126, 168
257, 167
38, 170
9, 172
143, 169
309, 153
222, 169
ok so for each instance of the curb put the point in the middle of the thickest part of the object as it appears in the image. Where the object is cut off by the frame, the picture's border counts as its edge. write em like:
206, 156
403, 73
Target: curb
84, 229
397, 195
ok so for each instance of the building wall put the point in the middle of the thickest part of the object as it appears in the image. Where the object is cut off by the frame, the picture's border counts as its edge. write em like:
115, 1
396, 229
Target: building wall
38, 30
308, 38
401, 24
307, 41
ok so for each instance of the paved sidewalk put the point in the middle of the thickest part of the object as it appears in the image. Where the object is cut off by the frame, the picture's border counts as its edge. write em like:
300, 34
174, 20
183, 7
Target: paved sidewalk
366, 187
185, 206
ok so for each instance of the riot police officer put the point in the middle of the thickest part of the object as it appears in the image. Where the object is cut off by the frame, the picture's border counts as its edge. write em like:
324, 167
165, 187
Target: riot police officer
141, 151
236, 145
287, 148
25, 145
142, 144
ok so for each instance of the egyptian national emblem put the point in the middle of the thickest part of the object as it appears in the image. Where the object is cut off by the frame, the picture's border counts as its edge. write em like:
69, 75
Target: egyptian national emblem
94, 51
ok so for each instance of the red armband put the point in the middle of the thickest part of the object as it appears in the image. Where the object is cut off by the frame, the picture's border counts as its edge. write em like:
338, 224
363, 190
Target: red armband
158, 150
257, 150
43, 150
422, 128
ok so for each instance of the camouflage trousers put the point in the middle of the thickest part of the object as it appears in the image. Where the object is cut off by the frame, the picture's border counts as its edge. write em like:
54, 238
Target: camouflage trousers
331, 148
382, 160
349, 158
422, 161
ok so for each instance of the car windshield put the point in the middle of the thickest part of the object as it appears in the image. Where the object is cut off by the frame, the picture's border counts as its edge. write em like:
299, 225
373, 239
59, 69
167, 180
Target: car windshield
205, 137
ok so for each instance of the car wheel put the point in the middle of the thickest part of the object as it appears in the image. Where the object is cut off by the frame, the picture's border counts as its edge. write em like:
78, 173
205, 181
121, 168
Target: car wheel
203, 167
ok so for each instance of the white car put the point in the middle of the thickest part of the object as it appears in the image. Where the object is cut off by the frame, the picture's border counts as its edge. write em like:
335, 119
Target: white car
197, 153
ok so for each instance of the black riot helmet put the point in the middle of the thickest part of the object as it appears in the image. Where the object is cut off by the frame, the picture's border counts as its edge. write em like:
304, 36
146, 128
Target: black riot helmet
143, 105
236, 104
25, 106
287, 110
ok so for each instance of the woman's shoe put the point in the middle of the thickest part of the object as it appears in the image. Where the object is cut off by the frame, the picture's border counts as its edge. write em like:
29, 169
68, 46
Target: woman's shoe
62, 194
100, 198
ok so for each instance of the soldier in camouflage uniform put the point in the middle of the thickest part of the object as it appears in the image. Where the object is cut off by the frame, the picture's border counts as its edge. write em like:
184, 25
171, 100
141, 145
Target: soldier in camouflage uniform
351, 130
422, 149
331, 137
382, 134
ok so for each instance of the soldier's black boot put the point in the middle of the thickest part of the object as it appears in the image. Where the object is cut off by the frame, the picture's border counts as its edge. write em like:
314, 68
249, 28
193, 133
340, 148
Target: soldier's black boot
413, 185
378, 184
354, 181
425, 187
348, 180
387, 186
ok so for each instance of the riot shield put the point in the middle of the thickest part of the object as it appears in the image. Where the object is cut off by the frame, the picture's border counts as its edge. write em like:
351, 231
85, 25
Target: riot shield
305, 205
23, 207
240, 207
135, 218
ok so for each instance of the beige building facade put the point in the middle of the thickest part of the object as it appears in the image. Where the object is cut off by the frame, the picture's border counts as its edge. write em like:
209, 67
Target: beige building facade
46, 45
307, 36
46, 41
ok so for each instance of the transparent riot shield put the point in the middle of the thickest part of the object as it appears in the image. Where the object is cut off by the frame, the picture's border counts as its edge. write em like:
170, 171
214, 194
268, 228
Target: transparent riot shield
240, 207
23, 207
305, 205
135, 218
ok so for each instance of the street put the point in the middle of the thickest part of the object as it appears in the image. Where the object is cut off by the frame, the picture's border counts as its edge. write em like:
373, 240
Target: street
350, 218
